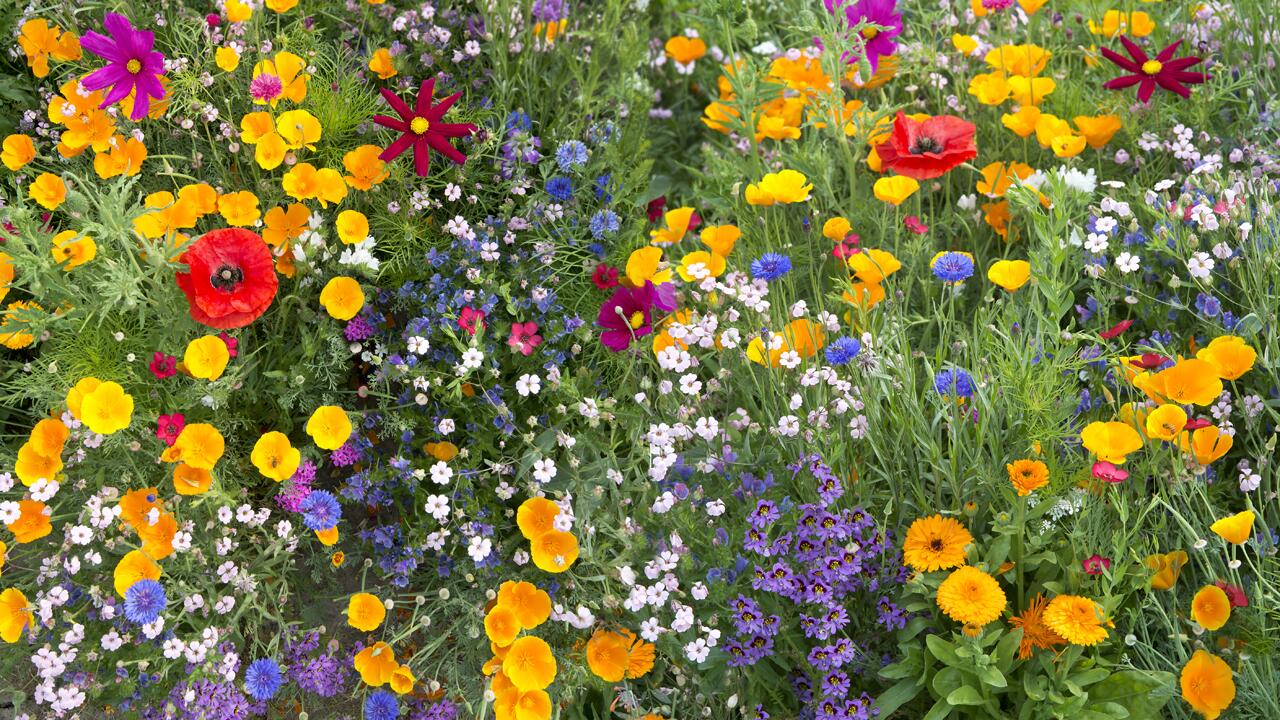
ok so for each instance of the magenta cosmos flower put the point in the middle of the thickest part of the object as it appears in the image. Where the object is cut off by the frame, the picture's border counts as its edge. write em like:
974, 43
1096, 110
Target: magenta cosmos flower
878, 43
626, 316
1163, 70
131, 64
421, 129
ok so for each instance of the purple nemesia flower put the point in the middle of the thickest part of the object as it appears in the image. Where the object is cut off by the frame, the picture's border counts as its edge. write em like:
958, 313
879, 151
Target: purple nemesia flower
131, 64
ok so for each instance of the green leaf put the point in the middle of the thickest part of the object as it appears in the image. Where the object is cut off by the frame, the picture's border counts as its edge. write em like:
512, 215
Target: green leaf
946, 681
944, 651
898, 695
1133, 690
965, 695
939, 711
993, 677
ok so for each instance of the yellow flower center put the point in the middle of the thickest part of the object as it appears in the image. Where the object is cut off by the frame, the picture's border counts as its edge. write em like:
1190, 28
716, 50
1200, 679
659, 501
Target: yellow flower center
419, 125
636, 320
134, 66
870, 33
1152, 67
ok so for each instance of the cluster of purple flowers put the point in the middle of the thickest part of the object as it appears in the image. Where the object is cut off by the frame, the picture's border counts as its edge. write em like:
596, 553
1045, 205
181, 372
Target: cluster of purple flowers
816, 560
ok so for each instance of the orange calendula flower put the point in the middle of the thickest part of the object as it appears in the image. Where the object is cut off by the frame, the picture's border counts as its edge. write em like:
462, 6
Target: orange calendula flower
1035, 634
1027, 476
1207, 684
1078, 620
935, 543
971, 597
1110, 441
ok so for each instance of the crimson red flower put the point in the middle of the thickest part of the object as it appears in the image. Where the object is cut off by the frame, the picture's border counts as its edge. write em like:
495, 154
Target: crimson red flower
1164, 70
1235, 594
231, 278
925, 150
1148, 361
163, 366
421, 129
1115, 330
169, 427
471, 320
605, 276
1195, 424
1096, 564
655, 207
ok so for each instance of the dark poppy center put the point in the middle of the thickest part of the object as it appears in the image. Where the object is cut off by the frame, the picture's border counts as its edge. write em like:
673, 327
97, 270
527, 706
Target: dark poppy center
226, 277
925, 144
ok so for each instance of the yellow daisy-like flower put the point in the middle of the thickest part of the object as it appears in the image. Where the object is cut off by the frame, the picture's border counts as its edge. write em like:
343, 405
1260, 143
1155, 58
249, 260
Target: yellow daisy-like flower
971, 596
1079, 620
935, 543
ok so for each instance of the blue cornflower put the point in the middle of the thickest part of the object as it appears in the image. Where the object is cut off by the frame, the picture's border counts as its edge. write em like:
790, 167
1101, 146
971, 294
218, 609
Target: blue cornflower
320, 510
1208, 305
263, 679
519, 121
381, 705
560, 188
571, 154
953, 267
602, 188
843, 350
604, 223
955, 383
144, 600
770, 267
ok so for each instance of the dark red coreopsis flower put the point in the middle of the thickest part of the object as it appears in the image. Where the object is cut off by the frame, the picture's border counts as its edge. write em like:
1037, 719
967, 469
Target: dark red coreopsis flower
926, 150
421, 128
231, 278
1163, 70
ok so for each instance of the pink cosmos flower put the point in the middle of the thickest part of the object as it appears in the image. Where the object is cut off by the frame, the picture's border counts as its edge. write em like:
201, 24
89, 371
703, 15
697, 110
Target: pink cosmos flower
163, 366
132, 64
524, 338
168, 427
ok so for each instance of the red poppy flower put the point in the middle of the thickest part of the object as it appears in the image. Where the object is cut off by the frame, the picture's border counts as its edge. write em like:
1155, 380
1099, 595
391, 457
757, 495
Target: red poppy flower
1115, 330
1163, 70
924, 150
231, 278
421, 128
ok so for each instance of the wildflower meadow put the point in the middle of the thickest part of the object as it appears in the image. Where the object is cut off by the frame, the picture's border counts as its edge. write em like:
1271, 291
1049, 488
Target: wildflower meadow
639, 359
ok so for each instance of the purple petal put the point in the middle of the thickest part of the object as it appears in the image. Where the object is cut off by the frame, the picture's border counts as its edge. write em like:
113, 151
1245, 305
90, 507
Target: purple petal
106, 76
118, 92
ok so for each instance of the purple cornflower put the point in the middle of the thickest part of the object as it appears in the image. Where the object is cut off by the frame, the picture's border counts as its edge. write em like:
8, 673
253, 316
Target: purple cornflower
144, 601
132, 66
263, 679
